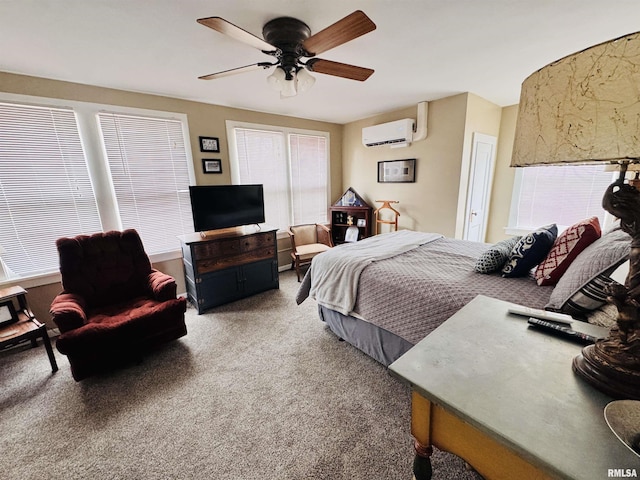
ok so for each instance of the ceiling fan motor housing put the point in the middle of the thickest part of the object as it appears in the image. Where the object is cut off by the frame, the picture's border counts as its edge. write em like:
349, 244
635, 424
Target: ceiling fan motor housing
287, 34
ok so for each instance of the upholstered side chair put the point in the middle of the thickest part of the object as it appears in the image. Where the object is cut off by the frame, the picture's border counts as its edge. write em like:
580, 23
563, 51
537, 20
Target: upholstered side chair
114, 306
307, 241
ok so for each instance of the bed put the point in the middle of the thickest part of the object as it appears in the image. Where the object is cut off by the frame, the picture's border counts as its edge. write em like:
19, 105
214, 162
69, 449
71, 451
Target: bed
386, 293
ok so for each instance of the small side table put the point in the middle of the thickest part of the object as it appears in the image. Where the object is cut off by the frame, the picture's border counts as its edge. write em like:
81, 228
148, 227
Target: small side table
503, 397
19, 324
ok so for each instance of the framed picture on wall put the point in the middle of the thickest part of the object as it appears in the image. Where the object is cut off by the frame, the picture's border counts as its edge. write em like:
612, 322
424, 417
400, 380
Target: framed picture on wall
209, 144
211, 166
397, 171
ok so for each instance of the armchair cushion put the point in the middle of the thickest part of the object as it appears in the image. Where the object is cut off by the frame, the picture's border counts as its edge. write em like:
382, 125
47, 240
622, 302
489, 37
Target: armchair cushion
122, 326
307, 252
104, 268
305, 234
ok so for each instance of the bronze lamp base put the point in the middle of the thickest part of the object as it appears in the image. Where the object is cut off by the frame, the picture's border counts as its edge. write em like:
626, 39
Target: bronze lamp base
611, 366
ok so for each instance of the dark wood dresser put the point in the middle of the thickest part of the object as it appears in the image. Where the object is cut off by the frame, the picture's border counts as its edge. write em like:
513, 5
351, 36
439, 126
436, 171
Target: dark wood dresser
228, 264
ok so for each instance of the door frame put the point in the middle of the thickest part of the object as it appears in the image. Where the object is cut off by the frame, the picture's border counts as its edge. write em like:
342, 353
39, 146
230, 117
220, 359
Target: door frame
493, 141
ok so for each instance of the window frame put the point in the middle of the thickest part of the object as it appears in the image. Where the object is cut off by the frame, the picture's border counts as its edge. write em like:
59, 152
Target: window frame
286, 131
97, 164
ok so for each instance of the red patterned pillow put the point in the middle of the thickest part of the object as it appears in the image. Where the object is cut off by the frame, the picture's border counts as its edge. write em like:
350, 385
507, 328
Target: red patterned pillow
565, 249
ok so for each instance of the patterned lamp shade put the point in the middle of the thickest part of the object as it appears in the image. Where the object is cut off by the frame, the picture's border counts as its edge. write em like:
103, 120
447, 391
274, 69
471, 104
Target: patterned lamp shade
583, 108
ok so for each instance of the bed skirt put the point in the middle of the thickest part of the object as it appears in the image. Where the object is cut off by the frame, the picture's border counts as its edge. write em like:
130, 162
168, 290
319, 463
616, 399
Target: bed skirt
378, 343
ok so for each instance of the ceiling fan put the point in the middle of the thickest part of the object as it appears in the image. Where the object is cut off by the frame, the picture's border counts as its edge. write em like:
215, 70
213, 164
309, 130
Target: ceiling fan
289, 40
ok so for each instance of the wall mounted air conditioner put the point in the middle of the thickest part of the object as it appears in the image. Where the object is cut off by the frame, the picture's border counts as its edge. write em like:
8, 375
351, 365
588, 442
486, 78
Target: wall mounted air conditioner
398, 133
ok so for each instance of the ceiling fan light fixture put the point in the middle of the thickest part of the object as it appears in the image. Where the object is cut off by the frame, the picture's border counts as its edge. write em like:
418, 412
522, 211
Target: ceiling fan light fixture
305, 80
289, 88
277, 79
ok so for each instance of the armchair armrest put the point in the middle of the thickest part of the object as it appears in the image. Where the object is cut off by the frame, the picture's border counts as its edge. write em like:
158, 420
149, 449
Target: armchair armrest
324, 234
163, 287
68, 311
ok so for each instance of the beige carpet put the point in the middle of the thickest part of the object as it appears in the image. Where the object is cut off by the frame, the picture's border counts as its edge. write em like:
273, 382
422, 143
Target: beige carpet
258, 389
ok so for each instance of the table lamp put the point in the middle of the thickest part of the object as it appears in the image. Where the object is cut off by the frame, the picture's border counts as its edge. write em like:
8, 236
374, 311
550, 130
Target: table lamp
585, 109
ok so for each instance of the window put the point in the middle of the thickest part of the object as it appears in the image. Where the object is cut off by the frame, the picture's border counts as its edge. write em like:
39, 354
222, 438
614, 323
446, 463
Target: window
292, 165
66, 171
44, 186
557, 194
148, 165
308, 157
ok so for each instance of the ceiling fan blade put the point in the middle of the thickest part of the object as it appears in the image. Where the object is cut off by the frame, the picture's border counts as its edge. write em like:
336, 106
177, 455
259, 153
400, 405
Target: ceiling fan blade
350, 27
234, 71
338, 69
227, 28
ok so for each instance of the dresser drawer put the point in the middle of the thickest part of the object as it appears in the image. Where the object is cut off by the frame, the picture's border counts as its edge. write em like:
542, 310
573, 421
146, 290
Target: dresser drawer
256, 241
219, 248
218, 263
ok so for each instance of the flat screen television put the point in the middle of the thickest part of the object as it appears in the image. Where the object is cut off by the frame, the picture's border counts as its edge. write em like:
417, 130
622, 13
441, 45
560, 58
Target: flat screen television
222, 206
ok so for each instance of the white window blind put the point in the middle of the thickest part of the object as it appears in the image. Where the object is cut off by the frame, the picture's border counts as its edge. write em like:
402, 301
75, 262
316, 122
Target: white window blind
293, 169
262, 159
45, 191
148, 165
558, 194
309, 178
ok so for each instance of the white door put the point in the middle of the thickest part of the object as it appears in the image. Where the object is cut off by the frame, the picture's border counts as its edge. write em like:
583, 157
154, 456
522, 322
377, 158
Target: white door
481, 176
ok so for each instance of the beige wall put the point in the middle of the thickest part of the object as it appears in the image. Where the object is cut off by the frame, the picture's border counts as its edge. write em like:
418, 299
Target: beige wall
429, 204
203, 119
483, 117
503, 178
435, 202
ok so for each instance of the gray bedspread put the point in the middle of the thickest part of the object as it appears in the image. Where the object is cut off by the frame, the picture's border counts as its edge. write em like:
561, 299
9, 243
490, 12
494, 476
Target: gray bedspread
335, 273
413, 293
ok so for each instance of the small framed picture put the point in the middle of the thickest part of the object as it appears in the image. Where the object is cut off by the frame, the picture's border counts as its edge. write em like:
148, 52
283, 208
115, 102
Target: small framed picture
362, 222
211, 166
397, 171
209, 144
7, 313
351, 235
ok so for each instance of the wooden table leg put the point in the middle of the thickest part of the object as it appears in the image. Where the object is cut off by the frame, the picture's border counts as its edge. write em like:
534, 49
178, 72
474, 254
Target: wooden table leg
421, 431
47, 346
422, 462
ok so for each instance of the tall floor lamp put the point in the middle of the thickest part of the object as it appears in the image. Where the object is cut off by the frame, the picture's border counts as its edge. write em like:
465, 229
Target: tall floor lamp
585, 109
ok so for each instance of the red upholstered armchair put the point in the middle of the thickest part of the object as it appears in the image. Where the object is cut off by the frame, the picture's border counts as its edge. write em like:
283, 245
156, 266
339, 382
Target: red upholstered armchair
114, 305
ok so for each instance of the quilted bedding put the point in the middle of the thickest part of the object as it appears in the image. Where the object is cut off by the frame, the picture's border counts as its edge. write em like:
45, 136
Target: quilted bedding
412, 293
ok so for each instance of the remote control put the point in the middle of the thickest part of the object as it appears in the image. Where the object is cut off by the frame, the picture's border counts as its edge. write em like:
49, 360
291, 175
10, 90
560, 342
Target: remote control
563, 331
541, 314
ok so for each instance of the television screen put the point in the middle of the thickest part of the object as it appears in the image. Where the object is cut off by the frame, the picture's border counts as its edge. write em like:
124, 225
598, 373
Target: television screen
222, 206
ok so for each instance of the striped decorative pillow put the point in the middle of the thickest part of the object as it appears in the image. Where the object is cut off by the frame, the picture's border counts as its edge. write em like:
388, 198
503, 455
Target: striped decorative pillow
591, 296
581, 288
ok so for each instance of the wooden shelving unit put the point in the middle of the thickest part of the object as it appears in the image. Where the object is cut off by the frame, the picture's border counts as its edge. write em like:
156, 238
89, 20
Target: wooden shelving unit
350, 211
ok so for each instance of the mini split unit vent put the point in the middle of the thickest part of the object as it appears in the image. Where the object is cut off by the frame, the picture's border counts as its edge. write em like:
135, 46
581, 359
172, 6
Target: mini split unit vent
392, 133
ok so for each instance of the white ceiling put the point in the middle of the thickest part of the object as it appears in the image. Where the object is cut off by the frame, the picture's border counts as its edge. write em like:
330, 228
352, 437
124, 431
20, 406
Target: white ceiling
421, 49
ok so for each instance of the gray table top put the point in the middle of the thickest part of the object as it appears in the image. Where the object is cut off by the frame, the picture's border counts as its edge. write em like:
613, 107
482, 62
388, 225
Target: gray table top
515, 383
